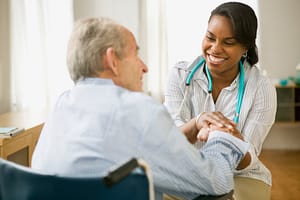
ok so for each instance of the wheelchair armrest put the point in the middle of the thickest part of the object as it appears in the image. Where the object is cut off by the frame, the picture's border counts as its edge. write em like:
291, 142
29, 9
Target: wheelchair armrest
228, 196
121, 172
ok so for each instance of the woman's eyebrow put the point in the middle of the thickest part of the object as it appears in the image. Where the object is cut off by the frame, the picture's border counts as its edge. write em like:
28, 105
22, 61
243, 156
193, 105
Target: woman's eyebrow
226, 38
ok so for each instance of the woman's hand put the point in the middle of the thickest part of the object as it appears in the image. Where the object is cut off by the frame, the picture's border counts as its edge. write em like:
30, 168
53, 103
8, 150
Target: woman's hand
202, 124
205, 119
209, 121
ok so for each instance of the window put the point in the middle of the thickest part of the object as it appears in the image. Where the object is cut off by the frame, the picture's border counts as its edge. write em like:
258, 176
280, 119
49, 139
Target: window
39, 34
186, 26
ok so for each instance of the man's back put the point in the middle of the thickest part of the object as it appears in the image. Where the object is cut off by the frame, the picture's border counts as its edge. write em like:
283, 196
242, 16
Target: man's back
90, 132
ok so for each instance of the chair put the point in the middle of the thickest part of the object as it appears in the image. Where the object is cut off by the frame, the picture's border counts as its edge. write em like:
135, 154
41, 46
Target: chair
228, 196
22, 183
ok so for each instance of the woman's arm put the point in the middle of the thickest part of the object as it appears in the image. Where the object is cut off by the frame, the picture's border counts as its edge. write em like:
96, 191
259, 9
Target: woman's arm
260, 117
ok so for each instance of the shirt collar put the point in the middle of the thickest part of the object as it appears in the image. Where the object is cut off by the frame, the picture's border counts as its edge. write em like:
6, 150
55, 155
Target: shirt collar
95, 81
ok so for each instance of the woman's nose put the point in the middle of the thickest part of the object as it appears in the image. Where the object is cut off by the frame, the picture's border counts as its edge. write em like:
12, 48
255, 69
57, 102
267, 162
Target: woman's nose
216, 47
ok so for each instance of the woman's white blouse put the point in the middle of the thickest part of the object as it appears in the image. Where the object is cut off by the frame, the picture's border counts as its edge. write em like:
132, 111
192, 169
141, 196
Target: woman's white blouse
257, 111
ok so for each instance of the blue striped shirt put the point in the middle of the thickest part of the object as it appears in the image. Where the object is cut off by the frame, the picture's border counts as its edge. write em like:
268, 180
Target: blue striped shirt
97, 126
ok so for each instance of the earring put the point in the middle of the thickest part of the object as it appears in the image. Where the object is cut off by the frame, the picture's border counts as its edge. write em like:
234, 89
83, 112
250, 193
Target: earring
245, 55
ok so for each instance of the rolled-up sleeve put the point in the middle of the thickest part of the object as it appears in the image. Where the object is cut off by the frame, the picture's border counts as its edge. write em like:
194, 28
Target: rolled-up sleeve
184, 171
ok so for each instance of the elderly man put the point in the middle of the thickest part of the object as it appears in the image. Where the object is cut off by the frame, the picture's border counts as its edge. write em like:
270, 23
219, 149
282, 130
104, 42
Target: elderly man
105, 120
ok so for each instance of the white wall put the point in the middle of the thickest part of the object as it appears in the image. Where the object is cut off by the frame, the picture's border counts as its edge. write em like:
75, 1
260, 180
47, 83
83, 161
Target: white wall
4, 57
279, 51
279, 34
125, 12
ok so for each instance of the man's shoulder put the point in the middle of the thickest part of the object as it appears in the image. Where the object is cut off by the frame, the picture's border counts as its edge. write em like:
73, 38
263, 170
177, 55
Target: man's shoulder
143, 109
139, 98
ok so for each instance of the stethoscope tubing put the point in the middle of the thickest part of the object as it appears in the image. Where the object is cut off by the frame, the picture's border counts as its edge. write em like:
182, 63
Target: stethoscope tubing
241, 87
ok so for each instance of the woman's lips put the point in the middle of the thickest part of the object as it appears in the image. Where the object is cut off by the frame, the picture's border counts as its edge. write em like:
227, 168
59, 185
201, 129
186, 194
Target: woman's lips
215, 60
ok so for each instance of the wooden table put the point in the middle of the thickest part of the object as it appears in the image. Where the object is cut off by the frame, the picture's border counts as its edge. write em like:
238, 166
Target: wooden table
19, 148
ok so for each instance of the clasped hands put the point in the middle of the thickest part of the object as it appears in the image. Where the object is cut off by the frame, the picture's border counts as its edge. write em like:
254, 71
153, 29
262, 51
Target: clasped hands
206, 122
209, 121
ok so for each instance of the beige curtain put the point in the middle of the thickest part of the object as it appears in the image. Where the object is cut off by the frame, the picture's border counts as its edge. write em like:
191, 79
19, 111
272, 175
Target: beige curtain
153, 40
39, 33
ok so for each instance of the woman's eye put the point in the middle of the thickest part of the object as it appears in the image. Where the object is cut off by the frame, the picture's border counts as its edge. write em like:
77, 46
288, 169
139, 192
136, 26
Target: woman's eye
210, 38
229, 42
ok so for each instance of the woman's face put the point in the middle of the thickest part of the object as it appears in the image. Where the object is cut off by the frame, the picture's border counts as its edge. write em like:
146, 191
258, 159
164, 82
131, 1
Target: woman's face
221, 50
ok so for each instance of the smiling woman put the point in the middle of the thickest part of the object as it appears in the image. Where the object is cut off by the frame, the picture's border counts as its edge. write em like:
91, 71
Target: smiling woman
227, 92
196, 14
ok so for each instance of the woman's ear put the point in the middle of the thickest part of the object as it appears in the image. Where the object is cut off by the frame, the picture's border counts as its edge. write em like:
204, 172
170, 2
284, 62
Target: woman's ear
112, 60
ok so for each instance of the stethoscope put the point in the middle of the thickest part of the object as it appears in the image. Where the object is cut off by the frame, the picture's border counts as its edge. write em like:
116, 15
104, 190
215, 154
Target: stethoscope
241, 87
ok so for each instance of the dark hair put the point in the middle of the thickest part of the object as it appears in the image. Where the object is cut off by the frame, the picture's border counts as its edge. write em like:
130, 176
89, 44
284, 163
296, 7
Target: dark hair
244, 23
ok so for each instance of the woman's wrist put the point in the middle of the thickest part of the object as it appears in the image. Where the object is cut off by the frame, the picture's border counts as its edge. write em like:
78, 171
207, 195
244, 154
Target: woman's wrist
197, 120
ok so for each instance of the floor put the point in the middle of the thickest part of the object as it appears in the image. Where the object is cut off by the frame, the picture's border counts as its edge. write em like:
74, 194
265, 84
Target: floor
285, 168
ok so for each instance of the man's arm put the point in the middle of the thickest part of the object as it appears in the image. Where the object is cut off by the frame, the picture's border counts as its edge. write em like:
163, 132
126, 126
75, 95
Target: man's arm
182, 170
204, 134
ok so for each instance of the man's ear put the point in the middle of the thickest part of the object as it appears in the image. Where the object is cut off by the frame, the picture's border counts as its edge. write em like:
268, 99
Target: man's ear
112, 60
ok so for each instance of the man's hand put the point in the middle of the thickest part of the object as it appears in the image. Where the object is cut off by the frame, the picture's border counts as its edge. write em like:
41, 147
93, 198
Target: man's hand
204, 133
